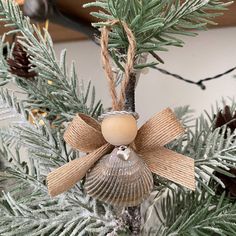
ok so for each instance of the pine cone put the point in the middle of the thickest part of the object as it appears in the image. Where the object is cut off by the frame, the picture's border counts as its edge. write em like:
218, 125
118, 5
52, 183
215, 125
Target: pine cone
20, 64
226, 117
229, 182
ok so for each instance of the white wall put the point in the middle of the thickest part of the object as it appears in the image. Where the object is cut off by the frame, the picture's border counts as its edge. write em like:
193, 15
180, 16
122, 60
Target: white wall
208, 54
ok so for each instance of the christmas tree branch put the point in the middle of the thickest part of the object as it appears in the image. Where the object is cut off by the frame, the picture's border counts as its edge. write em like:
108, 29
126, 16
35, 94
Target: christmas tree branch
52, 76
132, 216
212, 149
42, 215
27, 208
189, 213
31, 211
130, 94
41, 140
155, 24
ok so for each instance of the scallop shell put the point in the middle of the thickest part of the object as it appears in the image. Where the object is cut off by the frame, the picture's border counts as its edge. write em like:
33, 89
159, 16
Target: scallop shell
120, 178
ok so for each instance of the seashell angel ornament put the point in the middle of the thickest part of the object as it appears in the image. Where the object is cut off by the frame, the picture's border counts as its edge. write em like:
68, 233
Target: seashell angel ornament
121, 158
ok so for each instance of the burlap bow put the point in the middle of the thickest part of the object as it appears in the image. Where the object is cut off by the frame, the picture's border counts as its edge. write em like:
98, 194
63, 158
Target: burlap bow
84, 134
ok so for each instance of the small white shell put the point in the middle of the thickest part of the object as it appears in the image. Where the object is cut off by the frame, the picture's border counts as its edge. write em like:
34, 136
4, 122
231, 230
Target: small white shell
118, 180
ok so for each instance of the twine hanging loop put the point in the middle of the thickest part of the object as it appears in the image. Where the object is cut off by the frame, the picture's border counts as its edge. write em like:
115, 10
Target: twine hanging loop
117, 102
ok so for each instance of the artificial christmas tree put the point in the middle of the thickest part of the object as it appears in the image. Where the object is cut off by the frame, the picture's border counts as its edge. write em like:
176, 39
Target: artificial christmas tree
130, 31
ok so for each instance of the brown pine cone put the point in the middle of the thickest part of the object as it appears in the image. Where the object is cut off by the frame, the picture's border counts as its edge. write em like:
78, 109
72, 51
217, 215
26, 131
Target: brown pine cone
229, 182
20, 64
226, 117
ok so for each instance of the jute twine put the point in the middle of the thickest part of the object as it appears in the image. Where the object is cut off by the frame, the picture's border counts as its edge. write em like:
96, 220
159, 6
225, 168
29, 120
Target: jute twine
117, 102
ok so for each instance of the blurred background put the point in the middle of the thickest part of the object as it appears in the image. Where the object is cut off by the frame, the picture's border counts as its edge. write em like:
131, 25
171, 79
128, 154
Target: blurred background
209, 54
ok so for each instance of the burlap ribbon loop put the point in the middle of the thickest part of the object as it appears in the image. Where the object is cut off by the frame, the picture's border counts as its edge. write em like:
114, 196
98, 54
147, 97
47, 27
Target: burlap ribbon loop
82, 132
152, 136
158, 132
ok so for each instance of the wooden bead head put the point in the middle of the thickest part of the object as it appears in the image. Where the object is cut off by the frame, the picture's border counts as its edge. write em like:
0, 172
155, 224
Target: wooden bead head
119, 129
